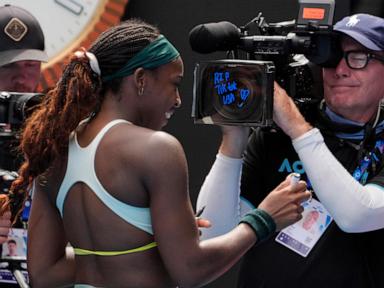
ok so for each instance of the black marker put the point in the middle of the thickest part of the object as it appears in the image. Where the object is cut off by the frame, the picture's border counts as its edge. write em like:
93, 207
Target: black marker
198, 213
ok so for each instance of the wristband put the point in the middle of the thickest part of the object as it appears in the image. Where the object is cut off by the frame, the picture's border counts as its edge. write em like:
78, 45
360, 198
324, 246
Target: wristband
261, 223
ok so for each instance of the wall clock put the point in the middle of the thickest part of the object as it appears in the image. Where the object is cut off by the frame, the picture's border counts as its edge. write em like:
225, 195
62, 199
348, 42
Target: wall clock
68, 25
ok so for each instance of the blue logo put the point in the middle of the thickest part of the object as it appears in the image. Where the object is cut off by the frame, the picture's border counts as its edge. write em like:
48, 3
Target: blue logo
296, 167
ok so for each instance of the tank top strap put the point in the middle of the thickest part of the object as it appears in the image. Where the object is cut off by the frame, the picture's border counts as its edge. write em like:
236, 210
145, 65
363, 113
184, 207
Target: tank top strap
104, 130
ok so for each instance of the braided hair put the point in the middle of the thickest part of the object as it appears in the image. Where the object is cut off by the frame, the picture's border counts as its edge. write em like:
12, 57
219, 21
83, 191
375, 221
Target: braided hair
112, 51
78, 94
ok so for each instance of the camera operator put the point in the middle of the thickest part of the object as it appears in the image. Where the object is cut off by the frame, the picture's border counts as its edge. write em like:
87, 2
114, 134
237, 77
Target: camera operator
340, 155
21, 54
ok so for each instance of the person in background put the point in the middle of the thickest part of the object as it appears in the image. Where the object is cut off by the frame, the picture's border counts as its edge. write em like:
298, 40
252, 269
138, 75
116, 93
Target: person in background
339, 153
22, 50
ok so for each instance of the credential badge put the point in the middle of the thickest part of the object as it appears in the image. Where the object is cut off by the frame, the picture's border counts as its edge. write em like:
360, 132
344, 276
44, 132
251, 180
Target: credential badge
352, 21
16, 29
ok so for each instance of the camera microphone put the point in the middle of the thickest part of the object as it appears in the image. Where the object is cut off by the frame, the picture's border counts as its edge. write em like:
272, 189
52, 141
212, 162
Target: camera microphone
211, 37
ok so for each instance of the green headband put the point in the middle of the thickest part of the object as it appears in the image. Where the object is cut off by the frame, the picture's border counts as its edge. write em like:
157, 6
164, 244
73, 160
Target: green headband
157, 53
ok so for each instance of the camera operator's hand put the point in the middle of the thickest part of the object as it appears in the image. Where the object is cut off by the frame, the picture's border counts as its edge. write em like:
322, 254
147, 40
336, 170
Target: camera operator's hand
235, 139
283, 204
286, 114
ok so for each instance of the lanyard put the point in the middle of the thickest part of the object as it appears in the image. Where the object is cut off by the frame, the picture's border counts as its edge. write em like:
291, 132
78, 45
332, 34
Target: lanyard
369, 162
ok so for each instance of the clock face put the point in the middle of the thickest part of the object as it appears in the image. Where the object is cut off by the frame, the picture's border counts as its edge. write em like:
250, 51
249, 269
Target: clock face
68, 25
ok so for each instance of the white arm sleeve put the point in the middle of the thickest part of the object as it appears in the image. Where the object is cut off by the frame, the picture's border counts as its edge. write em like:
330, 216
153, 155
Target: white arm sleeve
220, 195
354, 207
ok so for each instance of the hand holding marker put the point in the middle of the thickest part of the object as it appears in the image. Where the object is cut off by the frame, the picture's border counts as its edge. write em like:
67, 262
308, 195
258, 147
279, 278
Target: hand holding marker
295, 178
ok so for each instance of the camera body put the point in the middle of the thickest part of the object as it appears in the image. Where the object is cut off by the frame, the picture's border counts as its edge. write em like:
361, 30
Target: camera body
15, 107
290, 53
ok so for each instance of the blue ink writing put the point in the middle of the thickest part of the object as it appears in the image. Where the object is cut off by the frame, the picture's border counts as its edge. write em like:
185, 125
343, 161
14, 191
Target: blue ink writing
228, 99
244, 93
221, 89
232, 86
228, 90
218, 77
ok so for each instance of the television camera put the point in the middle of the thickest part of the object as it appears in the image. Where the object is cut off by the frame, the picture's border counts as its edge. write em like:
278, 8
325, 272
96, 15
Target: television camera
15, 107
238, 90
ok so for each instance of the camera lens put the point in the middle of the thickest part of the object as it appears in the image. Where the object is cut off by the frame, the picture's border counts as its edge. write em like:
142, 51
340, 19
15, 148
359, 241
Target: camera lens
235, 90
24, 104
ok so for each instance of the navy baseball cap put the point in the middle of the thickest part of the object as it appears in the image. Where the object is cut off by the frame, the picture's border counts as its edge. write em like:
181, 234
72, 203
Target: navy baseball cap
21, 37
366, 29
